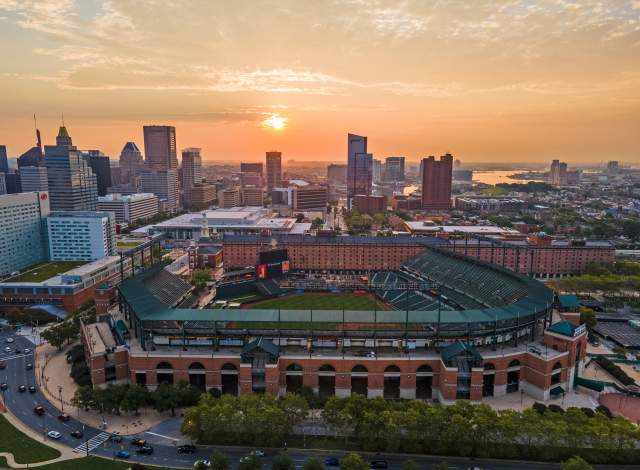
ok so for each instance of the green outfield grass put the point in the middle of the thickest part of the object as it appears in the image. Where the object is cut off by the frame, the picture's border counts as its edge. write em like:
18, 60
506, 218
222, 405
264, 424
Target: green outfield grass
43, 271
321, 301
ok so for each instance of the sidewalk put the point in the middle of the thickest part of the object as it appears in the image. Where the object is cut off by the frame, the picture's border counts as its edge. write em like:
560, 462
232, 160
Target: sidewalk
52, 375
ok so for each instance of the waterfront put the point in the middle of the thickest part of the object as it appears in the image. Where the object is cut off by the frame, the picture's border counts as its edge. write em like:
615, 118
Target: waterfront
500, 176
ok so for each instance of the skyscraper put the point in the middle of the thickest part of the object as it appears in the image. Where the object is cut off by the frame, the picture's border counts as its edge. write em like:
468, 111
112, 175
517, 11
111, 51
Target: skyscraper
558, 173
160, 147
4, 162
33, 178
131, 162
191, 172
394, 169
274, 170
163, 184
72, 184
359, 167
101, 168
377, 170
436, 182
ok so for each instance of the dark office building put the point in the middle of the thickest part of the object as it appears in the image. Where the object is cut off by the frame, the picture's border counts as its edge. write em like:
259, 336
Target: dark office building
101, 167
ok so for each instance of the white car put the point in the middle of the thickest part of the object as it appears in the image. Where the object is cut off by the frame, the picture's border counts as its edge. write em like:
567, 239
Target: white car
54, 434
201, 463
7, 349
9, 340
27, 350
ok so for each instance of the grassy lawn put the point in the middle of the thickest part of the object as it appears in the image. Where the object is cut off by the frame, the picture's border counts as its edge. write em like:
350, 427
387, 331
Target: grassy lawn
43, 271
23, 448
494, 191
313, 301
128, 243
93, 463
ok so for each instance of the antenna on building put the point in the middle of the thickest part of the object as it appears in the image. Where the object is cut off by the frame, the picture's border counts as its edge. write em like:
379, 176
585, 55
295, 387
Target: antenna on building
63, 119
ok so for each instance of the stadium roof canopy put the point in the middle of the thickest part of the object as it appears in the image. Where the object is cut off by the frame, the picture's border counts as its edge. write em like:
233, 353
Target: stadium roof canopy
150, 301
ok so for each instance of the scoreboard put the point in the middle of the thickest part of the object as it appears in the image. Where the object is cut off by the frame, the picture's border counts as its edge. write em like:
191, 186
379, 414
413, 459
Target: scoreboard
272, 263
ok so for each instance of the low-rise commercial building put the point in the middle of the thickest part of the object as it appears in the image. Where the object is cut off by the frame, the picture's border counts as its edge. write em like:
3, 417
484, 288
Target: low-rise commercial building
129, 209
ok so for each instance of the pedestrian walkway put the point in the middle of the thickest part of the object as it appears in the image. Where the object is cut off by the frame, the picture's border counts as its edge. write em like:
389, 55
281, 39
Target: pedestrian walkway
92, 443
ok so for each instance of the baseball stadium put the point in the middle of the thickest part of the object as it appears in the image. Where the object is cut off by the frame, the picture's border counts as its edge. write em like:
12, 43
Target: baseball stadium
441, 327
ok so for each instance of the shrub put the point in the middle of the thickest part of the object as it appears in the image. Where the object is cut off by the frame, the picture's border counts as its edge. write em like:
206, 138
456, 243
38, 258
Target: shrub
605, 411
589, 412
556, 409
539, 407
614, 370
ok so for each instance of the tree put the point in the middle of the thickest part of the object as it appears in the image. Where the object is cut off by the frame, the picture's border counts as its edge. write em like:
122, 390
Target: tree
576, 463
314, 463
409, 465
250, 462
218, 461
165, 398
54, 335
588, 317
136, 397
83, 397
316, 223
282, 461
200, 278
353, 462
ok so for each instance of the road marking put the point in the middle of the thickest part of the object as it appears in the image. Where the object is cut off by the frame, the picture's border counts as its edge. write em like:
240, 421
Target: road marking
162, 435
94, 442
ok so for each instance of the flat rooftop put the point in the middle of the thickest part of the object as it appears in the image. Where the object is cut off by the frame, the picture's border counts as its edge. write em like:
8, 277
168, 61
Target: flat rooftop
43, 271
419, 226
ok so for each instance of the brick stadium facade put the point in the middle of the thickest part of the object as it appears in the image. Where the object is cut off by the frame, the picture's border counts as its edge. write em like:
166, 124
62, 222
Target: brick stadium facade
535, 257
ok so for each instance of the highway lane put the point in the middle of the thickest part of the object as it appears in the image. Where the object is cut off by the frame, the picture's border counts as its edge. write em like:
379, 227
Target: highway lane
21, 404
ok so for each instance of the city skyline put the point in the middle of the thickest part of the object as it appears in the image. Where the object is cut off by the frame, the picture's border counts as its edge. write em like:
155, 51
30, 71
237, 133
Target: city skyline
518, 81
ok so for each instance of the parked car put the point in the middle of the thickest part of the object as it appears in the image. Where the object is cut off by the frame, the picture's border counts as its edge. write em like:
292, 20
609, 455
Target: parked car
7, 349
29, 366
9, 340
77, 434
64, 417
145, 450
136, 441
332, 462
4, 386
186, 449
27, 350
122, 454
32, 389
54, 434
115, 438
39, 410
22, 388
378, 464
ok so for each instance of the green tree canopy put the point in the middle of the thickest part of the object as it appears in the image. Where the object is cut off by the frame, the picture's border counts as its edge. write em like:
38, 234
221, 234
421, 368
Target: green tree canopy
282, 461
313, 463
218, 461
576, 463
353, 462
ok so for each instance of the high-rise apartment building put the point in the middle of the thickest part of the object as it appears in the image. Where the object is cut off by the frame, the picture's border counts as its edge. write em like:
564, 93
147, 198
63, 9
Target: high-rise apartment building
160, 147
81, 236
394, 169
101, 168
22, 239
251, 168
72, 184
378, 171
558, 173
4, 161
33, 179
163, 184
191, 172
131, 162
359, 167
436, 182
309, 198
129, 209
274, 170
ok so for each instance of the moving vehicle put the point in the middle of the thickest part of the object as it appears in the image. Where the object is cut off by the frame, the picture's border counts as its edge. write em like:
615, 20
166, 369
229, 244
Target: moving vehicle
4, 386
22, 388
77, 434
39, 410
32, 389
54, 434
64, 417
122, 454
258, 453
378, 464
136, 441
332, 462
145, 450
186, 449
29, 366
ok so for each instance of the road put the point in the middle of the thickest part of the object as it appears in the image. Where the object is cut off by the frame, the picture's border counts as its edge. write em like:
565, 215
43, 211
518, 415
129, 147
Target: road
96, 442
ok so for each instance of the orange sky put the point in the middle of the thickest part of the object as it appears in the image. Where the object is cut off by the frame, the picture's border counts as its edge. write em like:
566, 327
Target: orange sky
513, 81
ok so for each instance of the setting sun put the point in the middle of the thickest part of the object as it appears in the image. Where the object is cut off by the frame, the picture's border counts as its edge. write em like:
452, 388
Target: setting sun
275, 122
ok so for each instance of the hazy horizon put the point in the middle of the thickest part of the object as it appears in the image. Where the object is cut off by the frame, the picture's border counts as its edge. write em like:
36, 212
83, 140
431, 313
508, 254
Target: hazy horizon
515, 81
